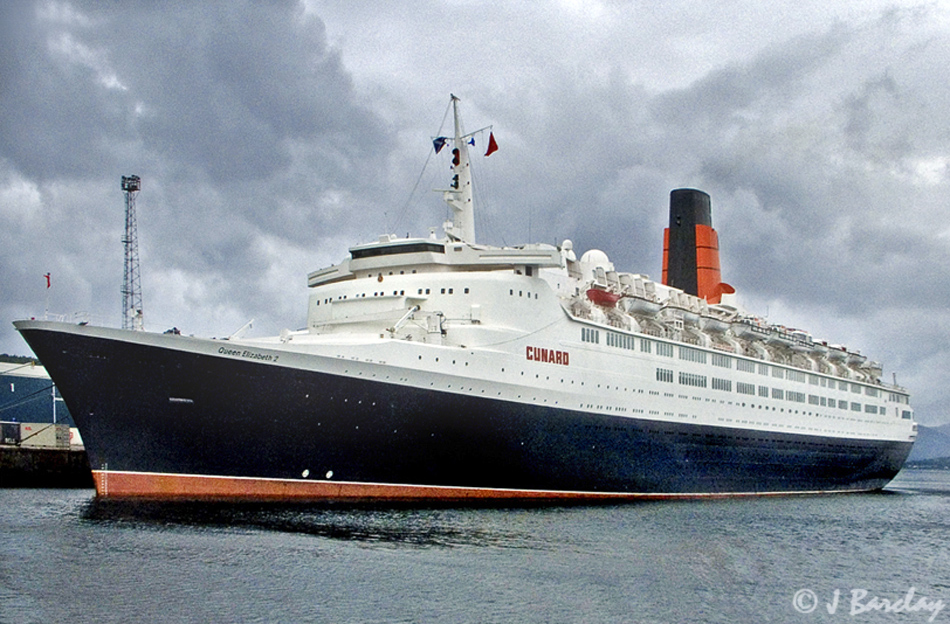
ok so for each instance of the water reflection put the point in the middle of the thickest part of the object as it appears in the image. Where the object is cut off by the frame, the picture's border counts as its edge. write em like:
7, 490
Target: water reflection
391, 525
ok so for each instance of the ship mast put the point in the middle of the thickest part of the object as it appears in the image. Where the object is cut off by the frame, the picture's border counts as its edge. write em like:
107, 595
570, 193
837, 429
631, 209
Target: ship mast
459, 197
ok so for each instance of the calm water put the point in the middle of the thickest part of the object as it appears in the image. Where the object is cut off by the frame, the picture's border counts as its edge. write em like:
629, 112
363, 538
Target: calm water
66, 558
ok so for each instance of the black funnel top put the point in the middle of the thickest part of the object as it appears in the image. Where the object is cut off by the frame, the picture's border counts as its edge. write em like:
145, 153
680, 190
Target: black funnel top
688, 208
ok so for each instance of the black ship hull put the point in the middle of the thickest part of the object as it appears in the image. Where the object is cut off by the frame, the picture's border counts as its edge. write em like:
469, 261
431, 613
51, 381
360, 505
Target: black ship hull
167, 423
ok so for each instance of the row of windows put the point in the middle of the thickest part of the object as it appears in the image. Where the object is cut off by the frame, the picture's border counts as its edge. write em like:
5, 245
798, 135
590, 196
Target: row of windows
795, 375
621, 340
690, 379
691, 354
746, 366
396, 293
397, 249
590, 335
521, 293
700, 381
624, 341
798, 397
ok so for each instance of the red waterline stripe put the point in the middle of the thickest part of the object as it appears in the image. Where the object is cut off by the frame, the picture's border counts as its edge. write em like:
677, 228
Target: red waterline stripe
115, 484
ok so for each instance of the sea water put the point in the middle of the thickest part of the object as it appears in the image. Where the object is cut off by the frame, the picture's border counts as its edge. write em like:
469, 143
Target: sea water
885, 557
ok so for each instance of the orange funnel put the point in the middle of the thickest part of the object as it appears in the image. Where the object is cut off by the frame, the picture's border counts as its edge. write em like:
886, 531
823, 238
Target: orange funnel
691, 247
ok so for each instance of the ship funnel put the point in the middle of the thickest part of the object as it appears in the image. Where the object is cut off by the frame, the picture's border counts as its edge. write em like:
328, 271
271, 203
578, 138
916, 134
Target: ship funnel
691, 247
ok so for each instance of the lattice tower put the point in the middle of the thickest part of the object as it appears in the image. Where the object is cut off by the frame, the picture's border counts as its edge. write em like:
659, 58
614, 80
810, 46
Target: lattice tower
132, 314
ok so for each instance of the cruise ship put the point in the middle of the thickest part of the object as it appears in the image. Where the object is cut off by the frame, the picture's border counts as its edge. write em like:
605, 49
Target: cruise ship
437, 368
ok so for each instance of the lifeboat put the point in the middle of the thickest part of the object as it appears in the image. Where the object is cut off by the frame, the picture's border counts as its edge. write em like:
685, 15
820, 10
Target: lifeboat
856, 359
803, 341
603, 298
781, 336
837, 353
750, 329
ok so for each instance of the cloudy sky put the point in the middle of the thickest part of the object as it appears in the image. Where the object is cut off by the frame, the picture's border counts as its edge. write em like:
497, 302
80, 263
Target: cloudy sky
270, 136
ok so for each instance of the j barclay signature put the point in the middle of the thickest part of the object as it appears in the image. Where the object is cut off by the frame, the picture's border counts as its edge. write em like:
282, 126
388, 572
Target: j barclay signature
806, 601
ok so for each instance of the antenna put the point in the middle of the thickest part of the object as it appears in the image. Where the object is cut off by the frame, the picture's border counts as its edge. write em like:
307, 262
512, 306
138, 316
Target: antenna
132, 316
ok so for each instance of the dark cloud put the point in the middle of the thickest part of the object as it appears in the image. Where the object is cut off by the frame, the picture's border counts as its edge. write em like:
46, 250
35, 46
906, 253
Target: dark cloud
727, 96
240, 118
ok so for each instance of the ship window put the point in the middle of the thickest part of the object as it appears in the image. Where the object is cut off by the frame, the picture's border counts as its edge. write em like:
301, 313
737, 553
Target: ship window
778, 373
870, 409
745, 366
692, 355
763, 369
842, 405
906, 415
664, 374
721, 384
777, 393
396, 249
721, 360
450, 290
466, 291
690, 379
855, 407
645, 345
745, 388
664, 349
856, 388
799, 376
590, 335
443, 291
